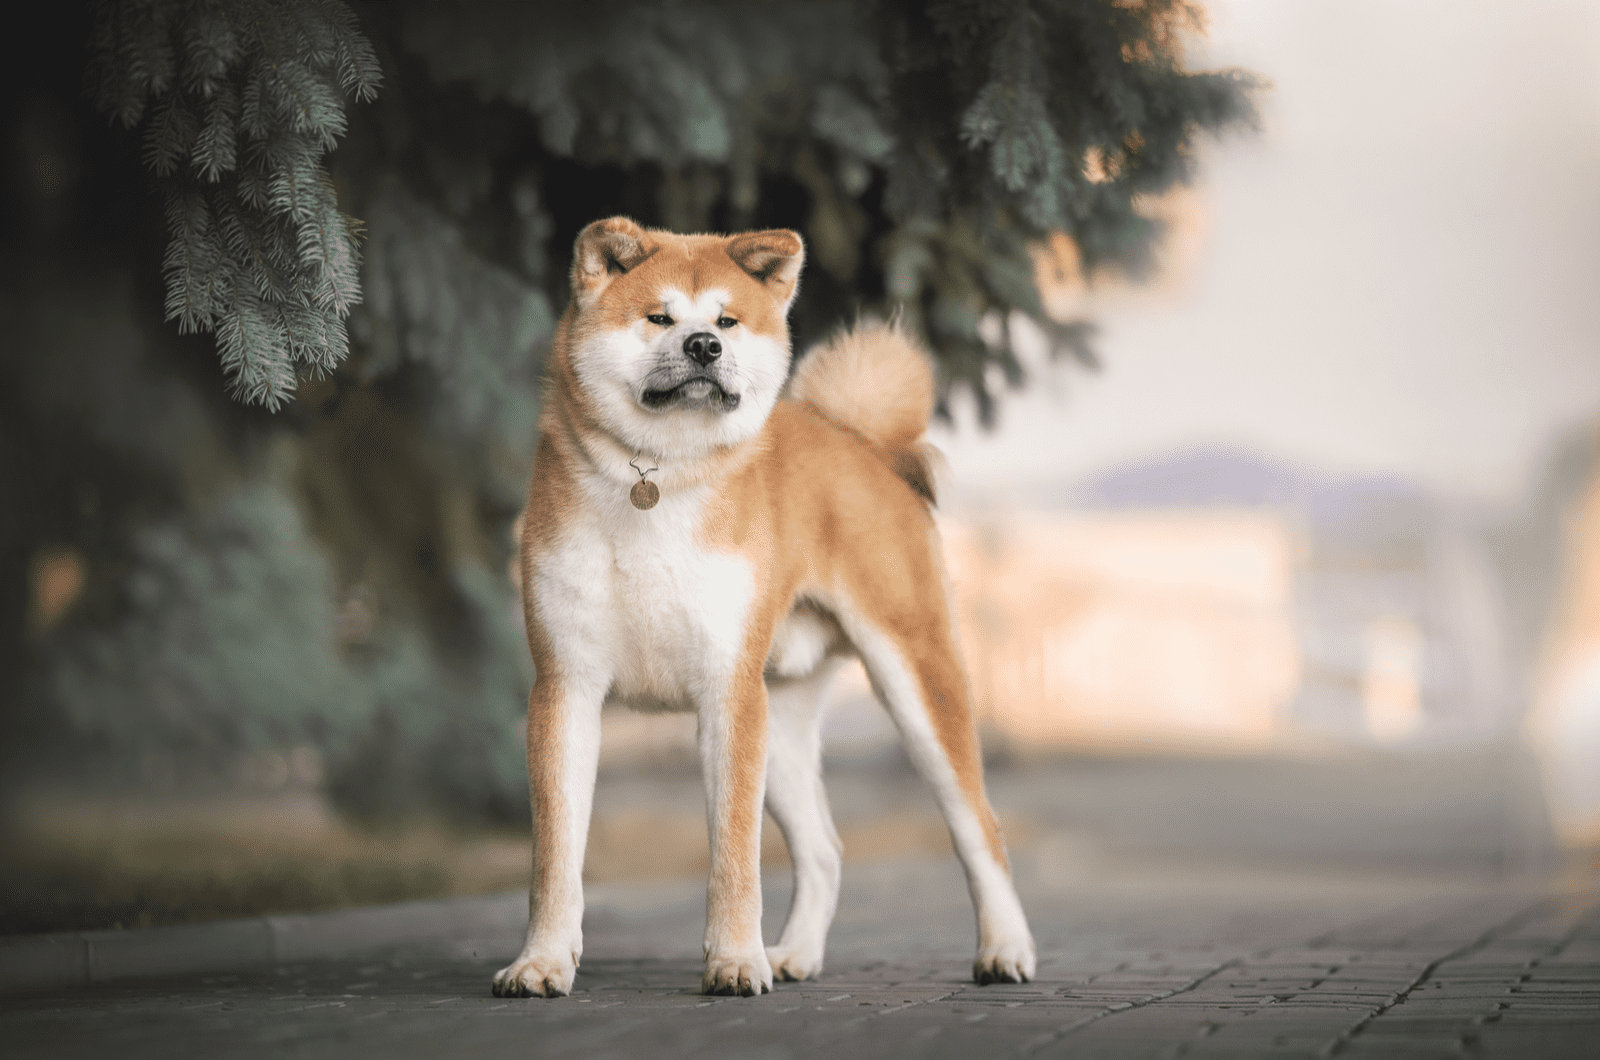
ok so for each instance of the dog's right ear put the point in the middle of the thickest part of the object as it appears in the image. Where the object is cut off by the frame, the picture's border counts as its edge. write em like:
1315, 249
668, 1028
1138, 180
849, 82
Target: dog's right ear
604, 251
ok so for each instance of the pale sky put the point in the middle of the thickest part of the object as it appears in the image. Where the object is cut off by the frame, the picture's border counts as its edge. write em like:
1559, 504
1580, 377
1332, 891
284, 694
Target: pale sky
1397, 276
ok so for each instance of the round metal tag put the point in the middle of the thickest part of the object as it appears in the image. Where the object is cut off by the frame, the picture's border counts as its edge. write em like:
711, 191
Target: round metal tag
644, 495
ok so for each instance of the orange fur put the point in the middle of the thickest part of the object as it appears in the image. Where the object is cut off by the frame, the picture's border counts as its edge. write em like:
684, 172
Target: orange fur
821, 509
872, 379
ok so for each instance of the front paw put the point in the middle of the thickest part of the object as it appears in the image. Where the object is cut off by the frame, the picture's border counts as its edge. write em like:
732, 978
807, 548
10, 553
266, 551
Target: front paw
536, 975
793, 964
1008, 962
743, 975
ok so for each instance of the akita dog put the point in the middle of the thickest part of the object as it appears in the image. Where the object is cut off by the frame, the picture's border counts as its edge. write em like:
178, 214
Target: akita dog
700, 538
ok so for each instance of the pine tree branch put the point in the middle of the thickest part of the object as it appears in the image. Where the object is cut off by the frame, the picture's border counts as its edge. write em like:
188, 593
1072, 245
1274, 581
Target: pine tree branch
170, 136
189, 262
262, 257
214, 152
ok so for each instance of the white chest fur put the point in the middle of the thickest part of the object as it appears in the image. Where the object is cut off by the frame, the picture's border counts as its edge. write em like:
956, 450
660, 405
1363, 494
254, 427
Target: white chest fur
637, 607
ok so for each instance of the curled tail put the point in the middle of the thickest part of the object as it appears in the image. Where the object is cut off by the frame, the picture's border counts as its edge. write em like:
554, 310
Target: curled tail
876, 381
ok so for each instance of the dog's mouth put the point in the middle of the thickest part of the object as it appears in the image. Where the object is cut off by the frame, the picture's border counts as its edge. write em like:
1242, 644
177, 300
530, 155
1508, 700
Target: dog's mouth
696, 392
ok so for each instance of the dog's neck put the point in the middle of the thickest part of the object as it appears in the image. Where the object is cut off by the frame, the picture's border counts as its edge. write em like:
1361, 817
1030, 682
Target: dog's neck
594, 451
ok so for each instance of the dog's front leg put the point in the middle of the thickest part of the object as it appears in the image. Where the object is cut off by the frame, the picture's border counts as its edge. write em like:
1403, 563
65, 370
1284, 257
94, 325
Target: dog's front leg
563, 756
733, 759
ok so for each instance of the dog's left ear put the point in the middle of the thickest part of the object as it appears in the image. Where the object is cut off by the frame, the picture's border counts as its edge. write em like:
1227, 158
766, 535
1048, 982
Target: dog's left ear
773, 257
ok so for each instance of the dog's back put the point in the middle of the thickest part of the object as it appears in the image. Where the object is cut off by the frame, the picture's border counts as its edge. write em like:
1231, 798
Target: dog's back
875, 381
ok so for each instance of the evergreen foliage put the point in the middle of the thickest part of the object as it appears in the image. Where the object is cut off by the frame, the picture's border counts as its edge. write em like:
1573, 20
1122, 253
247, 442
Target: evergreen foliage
188, 671
237, 597
240, 100
430, 297
1016, 118
938, 144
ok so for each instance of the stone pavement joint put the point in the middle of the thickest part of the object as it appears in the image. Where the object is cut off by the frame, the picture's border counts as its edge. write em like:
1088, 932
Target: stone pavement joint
1479, 943
1045, 1041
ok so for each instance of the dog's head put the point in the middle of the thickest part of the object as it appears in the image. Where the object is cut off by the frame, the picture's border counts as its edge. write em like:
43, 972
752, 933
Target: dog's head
680, 344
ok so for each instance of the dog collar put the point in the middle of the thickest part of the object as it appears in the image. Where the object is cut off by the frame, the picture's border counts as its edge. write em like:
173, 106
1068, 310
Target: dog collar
645, 493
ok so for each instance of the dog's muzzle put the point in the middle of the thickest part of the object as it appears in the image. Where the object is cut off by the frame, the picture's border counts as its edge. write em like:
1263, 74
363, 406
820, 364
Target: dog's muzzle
698, 390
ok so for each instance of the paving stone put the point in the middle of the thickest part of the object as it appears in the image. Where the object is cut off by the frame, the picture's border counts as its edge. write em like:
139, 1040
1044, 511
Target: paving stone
1130, 967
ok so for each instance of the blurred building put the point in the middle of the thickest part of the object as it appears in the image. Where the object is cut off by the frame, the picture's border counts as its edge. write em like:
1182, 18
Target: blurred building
1128, 631
1216, 601
1564, 724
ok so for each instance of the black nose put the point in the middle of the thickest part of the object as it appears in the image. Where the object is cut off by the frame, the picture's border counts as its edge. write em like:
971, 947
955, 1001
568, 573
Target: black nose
702, 348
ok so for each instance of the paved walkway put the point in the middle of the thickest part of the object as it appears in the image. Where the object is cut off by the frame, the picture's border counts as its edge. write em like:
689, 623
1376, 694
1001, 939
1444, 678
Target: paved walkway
1155, 960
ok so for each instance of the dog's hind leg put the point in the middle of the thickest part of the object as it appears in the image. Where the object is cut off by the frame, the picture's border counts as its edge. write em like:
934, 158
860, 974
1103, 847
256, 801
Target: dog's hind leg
917, 675
799, 804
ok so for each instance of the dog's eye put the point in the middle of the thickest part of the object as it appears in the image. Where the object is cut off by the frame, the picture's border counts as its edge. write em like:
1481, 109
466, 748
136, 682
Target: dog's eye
660, 319
726, 322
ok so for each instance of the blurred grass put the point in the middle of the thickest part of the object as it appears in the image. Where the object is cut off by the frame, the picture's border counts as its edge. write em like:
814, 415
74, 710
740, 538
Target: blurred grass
83, 862
87, 862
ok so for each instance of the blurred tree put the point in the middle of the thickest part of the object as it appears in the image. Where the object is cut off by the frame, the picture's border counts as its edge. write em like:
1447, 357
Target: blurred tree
334, 574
